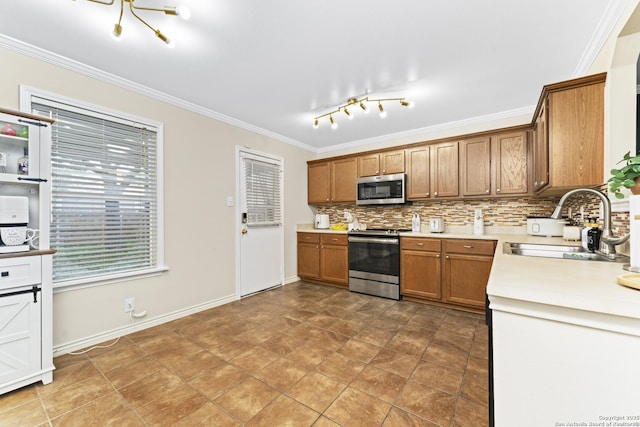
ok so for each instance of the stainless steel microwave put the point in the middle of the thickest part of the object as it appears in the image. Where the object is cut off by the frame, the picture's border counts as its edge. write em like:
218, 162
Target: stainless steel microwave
381, 190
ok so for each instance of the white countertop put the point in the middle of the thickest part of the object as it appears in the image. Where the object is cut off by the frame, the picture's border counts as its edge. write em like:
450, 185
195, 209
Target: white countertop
588, 286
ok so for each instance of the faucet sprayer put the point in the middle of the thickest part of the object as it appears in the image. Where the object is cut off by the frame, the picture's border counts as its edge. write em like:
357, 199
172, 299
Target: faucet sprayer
608, 241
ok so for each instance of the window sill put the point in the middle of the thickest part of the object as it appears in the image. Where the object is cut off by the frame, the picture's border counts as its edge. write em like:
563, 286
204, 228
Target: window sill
73, 285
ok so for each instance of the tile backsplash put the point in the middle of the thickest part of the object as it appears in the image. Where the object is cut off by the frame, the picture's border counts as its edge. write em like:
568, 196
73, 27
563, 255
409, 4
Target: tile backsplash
496, 212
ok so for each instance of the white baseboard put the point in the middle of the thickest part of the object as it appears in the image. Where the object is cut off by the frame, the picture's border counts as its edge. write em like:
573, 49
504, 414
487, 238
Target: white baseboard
291, 280
138, 325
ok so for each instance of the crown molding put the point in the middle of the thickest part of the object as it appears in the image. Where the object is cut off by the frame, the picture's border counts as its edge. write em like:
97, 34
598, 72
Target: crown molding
69, 64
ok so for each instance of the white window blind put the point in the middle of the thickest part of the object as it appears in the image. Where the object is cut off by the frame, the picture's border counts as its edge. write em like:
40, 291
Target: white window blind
262, 186
104, 193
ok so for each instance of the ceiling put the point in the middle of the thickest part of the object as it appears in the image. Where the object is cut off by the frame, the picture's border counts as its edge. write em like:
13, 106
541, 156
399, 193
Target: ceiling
272, 66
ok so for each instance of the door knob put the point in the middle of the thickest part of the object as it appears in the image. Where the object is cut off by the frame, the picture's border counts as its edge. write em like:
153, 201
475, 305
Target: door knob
244, 231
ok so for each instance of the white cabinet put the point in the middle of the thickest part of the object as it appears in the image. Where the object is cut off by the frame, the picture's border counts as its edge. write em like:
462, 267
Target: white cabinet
575, 366
26, 353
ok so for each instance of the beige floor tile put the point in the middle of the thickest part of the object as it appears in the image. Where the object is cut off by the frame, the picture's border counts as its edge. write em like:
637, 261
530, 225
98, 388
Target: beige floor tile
28, 414
255, 359
218, 380
316, 391
398, 363
470, 413
190, 366
428, 403
439, 377
282, 374
380, 384
309, 355
399, 418
17, 398
163, 383
376, 336
75, 395
284, 412
355, 408
132, 371
172, 407
478, 366
446, 356
340, 368
110, 409
284, 344
66, 360
246, 399
69, 376
325, 422
456, 342
208, 415
410, 342
123, 353
475, 388
359, 350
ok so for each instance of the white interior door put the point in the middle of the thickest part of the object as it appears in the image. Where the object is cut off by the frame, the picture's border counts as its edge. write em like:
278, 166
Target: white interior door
260, 221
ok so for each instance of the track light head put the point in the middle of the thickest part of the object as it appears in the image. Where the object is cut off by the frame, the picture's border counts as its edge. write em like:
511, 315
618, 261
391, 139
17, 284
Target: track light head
117, 31
348, 113
364, 107
334, 125
316, 122
381, 108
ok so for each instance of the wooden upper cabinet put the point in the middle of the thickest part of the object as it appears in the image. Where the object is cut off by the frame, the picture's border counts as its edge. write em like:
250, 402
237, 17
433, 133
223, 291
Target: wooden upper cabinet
318, 183
344, 174
575, 134
332, 181
510, 165
540, 149
418, 173
384, 163
444, 169
475, 167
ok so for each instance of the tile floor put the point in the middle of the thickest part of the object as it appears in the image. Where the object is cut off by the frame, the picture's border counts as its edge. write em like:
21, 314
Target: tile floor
301, 355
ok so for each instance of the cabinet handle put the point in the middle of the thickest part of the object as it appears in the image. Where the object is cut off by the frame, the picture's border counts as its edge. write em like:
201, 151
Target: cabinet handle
420, 244
486, 191
377, 172
384, 171
468, 247
447, 257
435, 193
334, 239
4, 274
20, 178
427, 194
498, 190
535, 184
438, 256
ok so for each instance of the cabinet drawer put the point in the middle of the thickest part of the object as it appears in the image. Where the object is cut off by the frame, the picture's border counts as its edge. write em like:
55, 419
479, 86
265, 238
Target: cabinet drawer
472, 247
420, 244
20, 271
308, 238
334, 239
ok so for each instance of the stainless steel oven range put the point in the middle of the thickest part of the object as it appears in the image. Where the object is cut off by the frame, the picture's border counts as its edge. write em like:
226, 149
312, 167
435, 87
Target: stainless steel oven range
374, 262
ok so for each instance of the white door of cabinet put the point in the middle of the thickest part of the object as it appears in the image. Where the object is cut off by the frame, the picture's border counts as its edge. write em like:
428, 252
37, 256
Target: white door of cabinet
19, 337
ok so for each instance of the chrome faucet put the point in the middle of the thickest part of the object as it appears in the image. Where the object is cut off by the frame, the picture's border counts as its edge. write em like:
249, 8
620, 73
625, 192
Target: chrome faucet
608, 241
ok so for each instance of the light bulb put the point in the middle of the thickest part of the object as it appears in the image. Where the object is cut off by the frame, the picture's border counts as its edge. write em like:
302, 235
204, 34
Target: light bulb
382, 112
183, 12
117, 32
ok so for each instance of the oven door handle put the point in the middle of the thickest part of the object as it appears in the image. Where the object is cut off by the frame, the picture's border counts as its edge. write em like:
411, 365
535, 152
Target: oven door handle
382, 241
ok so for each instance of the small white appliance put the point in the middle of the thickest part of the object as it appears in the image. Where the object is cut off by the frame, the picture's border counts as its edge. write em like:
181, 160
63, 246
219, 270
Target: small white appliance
322, 221
478, 222
543, 226
436, 225
14, 218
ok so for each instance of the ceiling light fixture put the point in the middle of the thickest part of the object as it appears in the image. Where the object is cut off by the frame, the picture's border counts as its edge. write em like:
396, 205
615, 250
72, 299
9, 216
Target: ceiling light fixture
180, 11
362, 102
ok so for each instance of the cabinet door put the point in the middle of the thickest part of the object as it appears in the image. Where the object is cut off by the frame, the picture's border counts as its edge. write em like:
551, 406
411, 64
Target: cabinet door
576, 137
540, 150
19, 148
334, 264
465, 279
420, 274
318, 183
309, 260
444, 169
392, 162
510, 164
369, 165
418, 173
19, 337
344, 174
475, 167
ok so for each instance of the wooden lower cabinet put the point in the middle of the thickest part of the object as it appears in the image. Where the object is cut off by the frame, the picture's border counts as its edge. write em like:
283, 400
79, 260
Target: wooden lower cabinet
448, 271
420, 267
324, 257
467, 264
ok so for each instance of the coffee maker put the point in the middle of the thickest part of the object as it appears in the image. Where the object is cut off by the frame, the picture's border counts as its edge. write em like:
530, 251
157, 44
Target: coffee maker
14, 219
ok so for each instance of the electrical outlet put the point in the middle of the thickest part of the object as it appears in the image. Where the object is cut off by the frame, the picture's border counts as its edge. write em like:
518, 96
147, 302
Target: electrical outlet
129, 305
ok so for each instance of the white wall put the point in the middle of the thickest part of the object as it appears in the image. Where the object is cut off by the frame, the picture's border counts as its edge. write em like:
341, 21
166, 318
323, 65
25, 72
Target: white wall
199, 227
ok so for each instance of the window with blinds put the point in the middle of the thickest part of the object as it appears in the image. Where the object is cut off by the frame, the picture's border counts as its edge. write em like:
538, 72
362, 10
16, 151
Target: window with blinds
104, 193
262, 186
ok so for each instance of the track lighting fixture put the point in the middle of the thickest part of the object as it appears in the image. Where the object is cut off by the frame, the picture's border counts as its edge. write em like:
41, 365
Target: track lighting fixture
181, 11
362, 103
